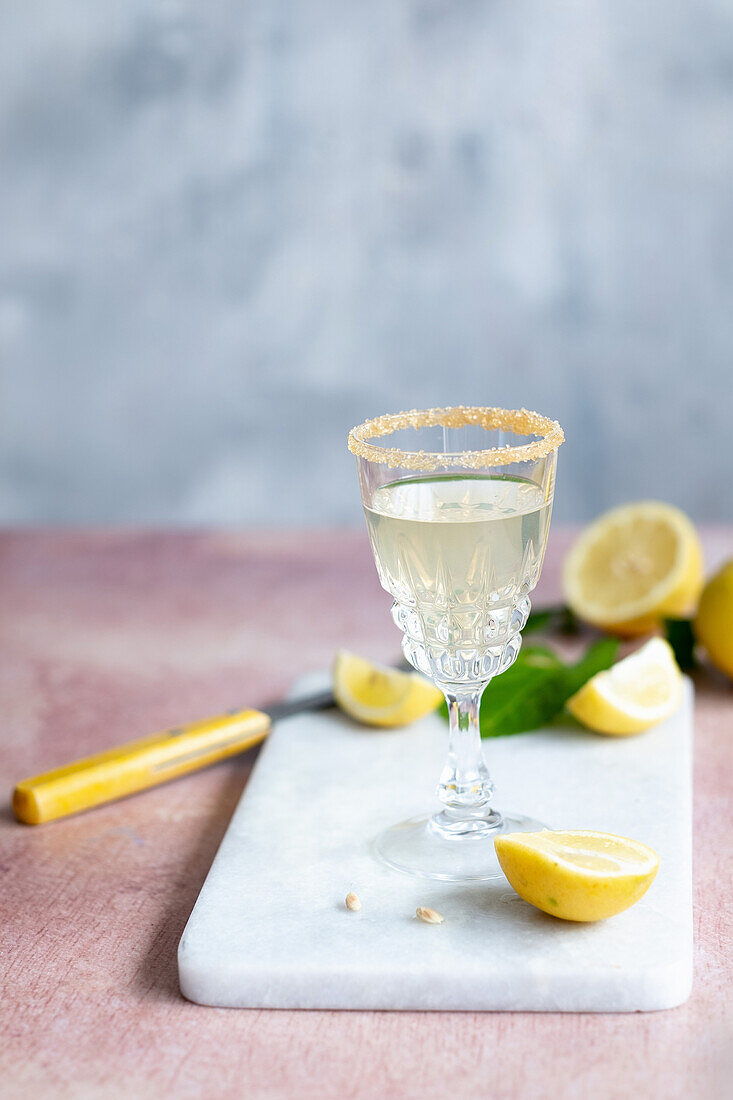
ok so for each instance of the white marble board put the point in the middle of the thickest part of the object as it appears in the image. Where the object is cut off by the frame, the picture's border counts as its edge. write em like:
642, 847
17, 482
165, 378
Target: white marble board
270, 929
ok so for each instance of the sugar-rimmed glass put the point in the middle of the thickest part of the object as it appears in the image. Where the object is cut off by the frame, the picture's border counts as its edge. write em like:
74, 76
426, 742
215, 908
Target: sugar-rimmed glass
457, 503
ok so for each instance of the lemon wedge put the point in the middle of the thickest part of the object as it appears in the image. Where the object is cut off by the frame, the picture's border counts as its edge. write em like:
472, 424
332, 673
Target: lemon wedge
633, 566
381, 696
714, 620
637, 693
580, 875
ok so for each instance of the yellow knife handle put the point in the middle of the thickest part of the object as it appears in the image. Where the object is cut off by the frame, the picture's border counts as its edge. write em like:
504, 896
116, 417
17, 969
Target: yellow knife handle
136, 766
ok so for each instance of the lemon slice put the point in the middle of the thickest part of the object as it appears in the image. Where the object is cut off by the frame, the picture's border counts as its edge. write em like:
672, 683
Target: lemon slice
634, 695
714, 620
381, 696
580, 875
634, 565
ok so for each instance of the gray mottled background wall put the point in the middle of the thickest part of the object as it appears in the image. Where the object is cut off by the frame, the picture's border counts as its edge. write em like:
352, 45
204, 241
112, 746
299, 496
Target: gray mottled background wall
230, 230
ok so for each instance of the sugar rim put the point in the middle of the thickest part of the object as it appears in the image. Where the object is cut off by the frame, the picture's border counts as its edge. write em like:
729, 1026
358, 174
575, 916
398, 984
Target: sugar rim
521, 421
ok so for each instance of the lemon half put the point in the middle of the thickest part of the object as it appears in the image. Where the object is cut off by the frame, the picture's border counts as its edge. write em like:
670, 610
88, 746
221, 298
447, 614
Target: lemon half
381, 696
578, 876
633, 566
634, 695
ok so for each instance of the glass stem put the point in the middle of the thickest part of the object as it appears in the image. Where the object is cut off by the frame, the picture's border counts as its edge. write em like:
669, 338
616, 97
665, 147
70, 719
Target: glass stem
465, 787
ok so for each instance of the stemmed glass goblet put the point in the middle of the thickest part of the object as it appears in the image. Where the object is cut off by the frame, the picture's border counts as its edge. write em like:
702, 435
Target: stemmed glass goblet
457, 504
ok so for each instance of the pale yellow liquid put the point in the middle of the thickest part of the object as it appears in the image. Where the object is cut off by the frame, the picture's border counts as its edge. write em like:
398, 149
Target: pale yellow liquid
458, 548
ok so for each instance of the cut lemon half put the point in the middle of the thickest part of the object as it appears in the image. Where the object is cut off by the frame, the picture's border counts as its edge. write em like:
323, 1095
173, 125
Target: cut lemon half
633, 566
637, 693
580, 875
381, 696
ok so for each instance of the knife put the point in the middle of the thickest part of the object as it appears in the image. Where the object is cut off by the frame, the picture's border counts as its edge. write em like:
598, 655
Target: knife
151, 760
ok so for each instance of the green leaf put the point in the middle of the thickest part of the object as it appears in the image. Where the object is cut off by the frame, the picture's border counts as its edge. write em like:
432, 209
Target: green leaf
539, 656
534, 690
681, 638
539, 619
524, 697
596, 658
559, 619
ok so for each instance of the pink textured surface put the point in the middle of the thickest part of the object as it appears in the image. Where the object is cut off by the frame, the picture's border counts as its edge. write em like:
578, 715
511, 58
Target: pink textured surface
107, 636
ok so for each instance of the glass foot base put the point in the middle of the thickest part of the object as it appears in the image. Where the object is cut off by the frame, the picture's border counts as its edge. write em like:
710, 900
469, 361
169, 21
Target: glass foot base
417, 847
